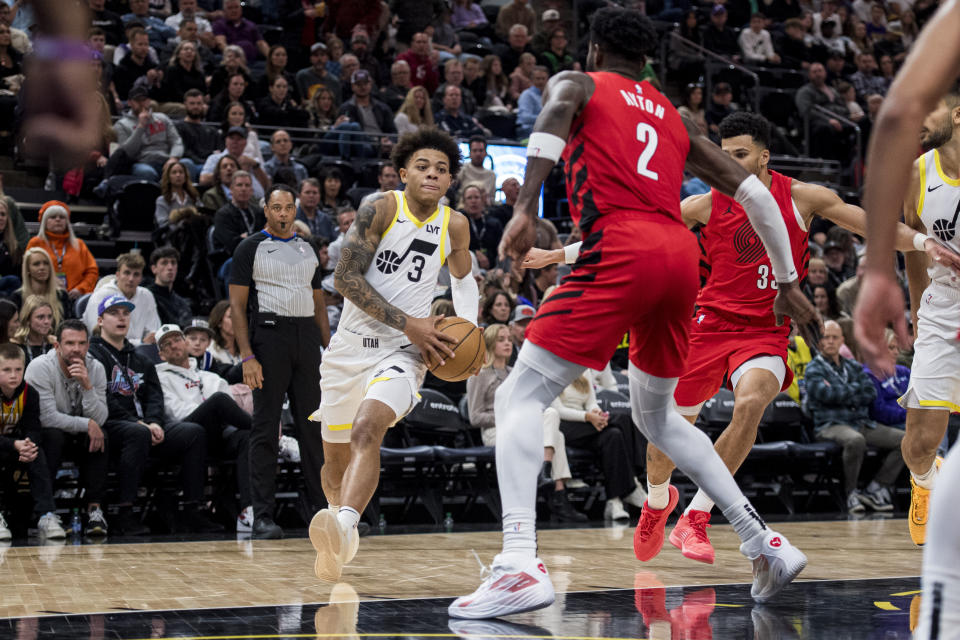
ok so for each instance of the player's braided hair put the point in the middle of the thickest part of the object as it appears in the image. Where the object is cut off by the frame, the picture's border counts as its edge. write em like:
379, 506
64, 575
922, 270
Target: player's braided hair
625, 33
745, 123
426, 138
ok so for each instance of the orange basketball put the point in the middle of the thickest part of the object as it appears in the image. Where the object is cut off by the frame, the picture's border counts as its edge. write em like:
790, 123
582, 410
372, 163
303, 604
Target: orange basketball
468, 347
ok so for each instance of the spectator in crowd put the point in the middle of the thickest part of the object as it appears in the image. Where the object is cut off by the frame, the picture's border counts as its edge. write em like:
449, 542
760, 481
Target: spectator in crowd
199, 140
20, 440
886, 409
415, 112
176, 192
218, 195
187, 33
849, 289
720, 107
423, 71
394, 93
719, 37
686, 60
278, 109
234, 91
474, 172
342, 16
203, 398
907, 27
522, 315
443, 37
792, 48
584, 425
348, 64
156, 28
324, 110
38, 280
516, 12
373, 117
504, 210
887, 71
849, 94
234, 29
453, 76
136, 422
481, 390
755, 43
496, 85
199, 338
238, 115
281, 145
531, 101
76, 269
829, 136
135, 65
276, 66
518, 43
184, 72
148, 141
234, 61
316, 76
110, 22
189, 11
9, 253
859, 37
877, 24
241, 217
171, 307
35, 334
468, 16
335, 49
144, 320
453, 120
308, 210
497, 308
332, 199
543, 280
235, 145
825, 300
485, 232
521, 78
839, 398
16, 218
224, 348
549, 21
360, 47
827, 15
556, 57
865, 80
70, 385
9, 320
11, 60
691, 106
835, 258
473, 80
344, 219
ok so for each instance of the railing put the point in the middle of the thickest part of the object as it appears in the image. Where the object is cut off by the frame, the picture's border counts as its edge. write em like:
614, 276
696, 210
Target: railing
715, 61
830, 114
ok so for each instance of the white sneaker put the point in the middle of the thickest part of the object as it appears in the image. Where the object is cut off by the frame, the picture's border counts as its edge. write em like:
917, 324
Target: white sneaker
614, 510
334, 546
506, 590
96, 523
245, 520
289, 449
4, 530
776, 563
636, 497
49, 526
575, 483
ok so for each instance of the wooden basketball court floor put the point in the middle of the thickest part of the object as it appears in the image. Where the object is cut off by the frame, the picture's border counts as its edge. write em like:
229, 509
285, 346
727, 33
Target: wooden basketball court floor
861, 581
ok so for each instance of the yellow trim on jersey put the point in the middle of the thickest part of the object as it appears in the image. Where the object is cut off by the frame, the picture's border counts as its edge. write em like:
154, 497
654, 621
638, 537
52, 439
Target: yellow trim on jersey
380, 379
943, 176
340, 427
416, 221
939, 403
396, 214
923, 183
444, 227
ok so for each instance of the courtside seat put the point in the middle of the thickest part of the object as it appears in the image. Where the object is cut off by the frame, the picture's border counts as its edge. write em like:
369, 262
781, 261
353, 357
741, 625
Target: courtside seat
436, 420
768, 469
408, 473
469, 473
817, 468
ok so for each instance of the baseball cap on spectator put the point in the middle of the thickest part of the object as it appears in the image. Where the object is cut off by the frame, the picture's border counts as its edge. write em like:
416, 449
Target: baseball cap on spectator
54, 207
318, 46
360, 75
831, 246
166, 330
236, 131
522, 313
550, 14
198, 324
116, 300
721, 88
360, 36
138, 92
718, 9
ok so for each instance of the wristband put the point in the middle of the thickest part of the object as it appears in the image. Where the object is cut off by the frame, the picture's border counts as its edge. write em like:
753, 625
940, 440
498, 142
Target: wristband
47, 48
570, 252
248, 359
545, 145
918, 241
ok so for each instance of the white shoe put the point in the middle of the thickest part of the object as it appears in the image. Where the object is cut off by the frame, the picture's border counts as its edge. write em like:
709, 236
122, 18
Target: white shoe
4, 530
614, 510
245, 520
506, 590
776, 563
335, 547
289, 449
49, 526
636, 497
575, 483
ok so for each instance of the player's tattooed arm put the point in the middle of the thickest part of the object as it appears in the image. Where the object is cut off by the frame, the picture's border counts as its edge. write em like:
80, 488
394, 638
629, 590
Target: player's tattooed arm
359, 249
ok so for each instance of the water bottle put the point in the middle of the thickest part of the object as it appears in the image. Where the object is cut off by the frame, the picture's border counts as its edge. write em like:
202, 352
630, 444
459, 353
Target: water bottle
382, 524
76, 526
448, 522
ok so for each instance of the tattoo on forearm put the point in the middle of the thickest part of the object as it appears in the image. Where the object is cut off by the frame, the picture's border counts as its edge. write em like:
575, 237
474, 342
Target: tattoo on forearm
356, 256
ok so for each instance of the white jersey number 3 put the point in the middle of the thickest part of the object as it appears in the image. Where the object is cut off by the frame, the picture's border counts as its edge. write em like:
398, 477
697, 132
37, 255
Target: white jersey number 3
647, 134
763, 278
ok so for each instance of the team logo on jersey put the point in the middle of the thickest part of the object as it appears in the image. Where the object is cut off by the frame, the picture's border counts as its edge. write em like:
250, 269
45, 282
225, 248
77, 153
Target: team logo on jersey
944, 229
388, 260
748, 245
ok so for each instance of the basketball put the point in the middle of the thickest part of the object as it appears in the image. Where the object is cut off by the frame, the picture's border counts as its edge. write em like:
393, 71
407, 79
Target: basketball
468, 347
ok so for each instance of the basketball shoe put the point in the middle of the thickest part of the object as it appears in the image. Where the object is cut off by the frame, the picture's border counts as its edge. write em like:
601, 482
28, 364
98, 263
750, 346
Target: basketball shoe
690, 536
335, 547
919, 509
648, 536
507, 589
776, 563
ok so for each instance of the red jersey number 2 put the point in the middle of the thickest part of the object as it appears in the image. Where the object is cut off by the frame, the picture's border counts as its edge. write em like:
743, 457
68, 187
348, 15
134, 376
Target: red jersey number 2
648, 135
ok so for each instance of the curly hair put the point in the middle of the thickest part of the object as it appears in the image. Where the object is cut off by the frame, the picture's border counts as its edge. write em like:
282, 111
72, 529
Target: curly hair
625, 33
426, 138
743, 123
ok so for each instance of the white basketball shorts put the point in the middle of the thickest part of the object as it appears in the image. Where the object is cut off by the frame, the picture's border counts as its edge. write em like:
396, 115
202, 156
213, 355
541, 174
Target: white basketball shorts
935, 376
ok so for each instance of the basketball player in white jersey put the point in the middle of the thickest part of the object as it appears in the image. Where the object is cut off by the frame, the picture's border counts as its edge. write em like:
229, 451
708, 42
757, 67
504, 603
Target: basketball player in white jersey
929, 72
374, 366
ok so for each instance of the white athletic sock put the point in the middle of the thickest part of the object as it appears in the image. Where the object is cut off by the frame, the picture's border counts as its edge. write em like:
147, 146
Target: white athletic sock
334, 507
745, 520
658, 495
700, 502
519, 535
348, 518
928, 479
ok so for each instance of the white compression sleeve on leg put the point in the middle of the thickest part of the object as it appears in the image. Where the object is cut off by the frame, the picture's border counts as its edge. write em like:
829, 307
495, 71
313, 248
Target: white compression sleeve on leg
764, 214
466, 297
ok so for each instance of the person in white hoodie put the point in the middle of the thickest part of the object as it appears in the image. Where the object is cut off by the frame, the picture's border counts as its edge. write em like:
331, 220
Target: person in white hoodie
144, 319
204, 398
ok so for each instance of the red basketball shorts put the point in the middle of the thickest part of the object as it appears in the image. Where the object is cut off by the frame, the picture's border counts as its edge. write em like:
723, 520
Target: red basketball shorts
718, 347
636, 273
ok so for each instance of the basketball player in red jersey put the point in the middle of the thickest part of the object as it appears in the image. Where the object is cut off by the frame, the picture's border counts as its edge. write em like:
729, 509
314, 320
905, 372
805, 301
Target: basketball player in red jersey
735, 336
637, 272
929, 72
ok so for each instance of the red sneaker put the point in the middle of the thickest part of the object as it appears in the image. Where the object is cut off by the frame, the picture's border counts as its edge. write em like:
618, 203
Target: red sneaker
690, 536
648, 537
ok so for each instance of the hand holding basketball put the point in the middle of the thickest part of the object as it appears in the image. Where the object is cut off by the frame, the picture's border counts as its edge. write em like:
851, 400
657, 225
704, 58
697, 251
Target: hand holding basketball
425, 333
467, 345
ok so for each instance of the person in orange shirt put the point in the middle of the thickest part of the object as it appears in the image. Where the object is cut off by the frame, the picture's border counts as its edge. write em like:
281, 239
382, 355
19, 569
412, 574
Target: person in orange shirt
74, 265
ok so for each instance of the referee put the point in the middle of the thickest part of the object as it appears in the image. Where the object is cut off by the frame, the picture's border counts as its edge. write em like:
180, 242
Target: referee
280, 321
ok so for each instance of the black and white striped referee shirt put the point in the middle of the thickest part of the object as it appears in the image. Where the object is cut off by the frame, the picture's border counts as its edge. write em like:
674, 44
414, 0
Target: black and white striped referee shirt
281, 274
